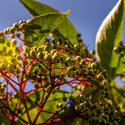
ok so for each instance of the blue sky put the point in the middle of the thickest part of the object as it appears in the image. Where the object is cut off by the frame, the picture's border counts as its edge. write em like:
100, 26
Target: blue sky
86, 15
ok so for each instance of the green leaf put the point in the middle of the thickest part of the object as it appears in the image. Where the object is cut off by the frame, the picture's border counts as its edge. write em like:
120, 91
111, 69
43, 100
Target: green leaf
108, 36
121, 66
66, 29
37, 29
50, 106
4, 120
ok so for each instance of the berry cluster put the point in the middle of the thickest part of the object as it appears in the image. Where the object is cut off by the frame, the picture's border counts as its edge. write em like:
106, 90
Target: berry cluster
47, 68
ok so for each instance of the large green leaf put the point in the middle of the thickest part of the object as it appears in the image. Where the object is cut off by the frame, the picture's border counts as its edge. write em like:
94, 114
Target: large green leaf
108, 36
66, 29
37, 29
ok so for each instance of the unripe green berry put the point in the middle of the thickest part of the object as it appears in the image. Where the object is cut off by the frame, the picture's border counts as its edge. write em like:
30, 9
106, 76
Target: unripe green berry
76, 46
116, 49
18, 34
14, 42
4, 85
36, 86
19, 57
4, 49
79, 35
55, 57
74, 85
58, 43
122, 53
106, 117
22, 26
39, 49
8, 44
22, 21
12, 36
47, 57
92, 52
40, 55
77, 73
15, 25
80, 40
78, 58
53, 52
69, 69
46, 48
83, 62
60, 105
17, 49
12, 30
32, 53
13, 60
9, 52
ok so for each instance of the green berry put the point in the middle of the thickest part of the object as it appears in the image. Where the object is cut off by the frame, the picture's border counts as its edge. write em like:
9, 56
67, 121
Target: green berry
19, 57
83, 62
36, 86
79, 35
18, 34
39, 49
13, 60
47, 57
69, 69
78, 58
40, 55
8, 44
77, 72
12, 36
12, 30
32, 53
17, 49
15, 25
14, 42
92, 52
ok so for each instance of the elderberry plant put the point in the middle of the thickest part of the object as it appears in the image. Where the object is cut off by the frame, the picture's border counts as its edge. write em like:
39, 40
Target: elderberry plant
42, 55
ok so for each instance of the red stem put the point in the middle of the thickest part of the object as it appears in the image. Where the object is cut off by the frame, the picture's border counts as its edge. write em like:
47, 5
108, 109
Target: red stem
14, 88
22, 86
57, 120
9, 78
13, 113
24, 102
42, 106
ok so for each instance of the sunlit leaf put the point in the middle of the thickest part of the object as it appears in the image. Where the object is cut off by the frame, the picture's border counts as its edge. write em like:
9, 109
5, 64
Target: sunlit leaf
66, 29
6, 49
108, 36
121, 66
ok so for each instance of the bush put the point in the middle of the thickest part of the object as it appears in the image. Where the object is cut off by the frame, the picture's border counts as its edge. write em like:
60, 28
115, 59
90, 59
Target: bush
48, 76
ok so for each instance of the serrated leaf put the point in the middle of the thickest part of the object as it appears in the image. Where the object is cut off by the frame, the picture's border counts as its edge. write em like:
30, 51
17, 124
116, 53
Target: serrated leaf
108, 36
66, 29
37, 29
